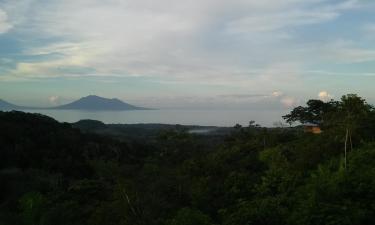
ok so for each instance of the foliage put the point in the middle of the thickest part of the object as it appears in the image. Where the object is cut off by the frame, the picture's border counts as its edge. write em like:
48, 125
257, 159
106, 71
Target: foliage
314, 112
53, 174
186, 216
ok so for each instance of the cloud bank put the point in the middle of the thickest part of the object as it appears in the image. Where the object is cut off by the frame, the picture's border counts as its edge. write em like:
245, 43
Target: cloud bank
213, 47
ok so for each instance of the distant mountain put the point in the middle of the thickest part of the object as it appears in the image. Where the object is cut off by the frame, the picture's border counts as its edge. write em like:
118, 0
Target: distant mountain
93, 102
8, 106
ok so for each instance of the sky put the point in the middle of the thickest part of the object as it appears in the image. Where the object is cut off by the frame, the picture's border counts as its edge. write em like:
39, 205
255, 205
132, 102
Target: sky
257, 54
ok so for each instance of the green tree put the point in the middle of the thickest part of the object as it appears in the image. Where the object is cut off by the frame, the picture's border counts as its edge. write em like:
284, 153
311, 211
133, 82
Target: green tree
188, 216
314, 112
31, 205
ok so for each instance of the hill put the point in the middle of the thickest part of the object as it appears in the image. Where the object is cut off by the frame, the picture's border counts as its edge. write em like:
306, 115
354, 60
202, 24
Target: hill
4, 105
93, 102
59, 173
147, 131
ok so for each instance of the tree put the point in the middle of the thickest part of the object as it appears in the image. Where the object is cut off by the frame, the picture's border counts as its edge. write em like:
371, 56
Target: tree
187, 216
343, 117
314, 112
31, 205
353, 109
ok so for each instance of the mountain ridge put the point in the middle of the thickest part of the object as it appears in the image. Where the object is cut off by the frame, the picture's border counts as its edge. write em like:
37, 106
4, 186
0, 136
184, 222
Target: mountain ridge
94, 102
8, 106
89, 103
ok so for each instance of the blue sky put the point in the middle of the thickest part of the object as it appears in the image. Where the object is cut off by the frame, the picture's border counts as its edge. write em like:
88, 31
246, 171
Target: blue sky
268, 54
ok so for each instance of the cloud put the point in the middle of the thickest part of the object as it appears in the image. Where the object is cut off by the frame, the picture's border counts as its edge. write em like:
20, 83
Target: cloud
277, 93
277, 98
340, 74
59, 100
288, 101
369, 27
335, 51
55, 100
348, 53
272, 21
70, 59
244, 96
368, 31
250, 98
230, 47
170, 39
325, 96
5, 26
257, 102
275, 20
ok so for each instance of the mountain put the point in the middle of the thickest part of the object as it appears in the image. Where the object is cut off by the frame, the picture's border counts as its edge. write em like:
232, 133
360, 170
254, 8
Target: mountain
8, 106
93, 102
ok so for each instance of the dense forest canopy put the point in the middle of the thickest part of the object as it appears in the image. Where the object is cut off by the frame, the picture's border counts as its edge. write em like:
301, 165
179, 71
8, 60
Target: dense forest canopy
54, 173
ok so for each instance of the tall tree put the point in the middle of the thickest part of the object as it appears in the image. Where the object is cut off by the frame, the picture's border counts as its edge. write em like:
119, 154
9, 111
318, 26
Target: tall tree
314, 112
353, 110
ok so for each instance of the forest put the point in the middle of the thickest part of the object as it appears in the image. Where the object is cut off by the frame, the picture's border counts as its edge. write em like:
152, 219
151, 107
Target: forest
55, 173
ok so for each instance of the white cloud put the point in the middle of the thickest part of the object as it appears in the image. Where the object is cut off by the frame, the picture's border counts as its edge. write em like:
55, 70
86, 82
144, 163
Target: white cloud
55, 100
203, 42
278, 18
71, 56
345, 52
325, 96
5, 26
335, 51
369, 27
277, 93
276, 21
368, 30
288, 101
